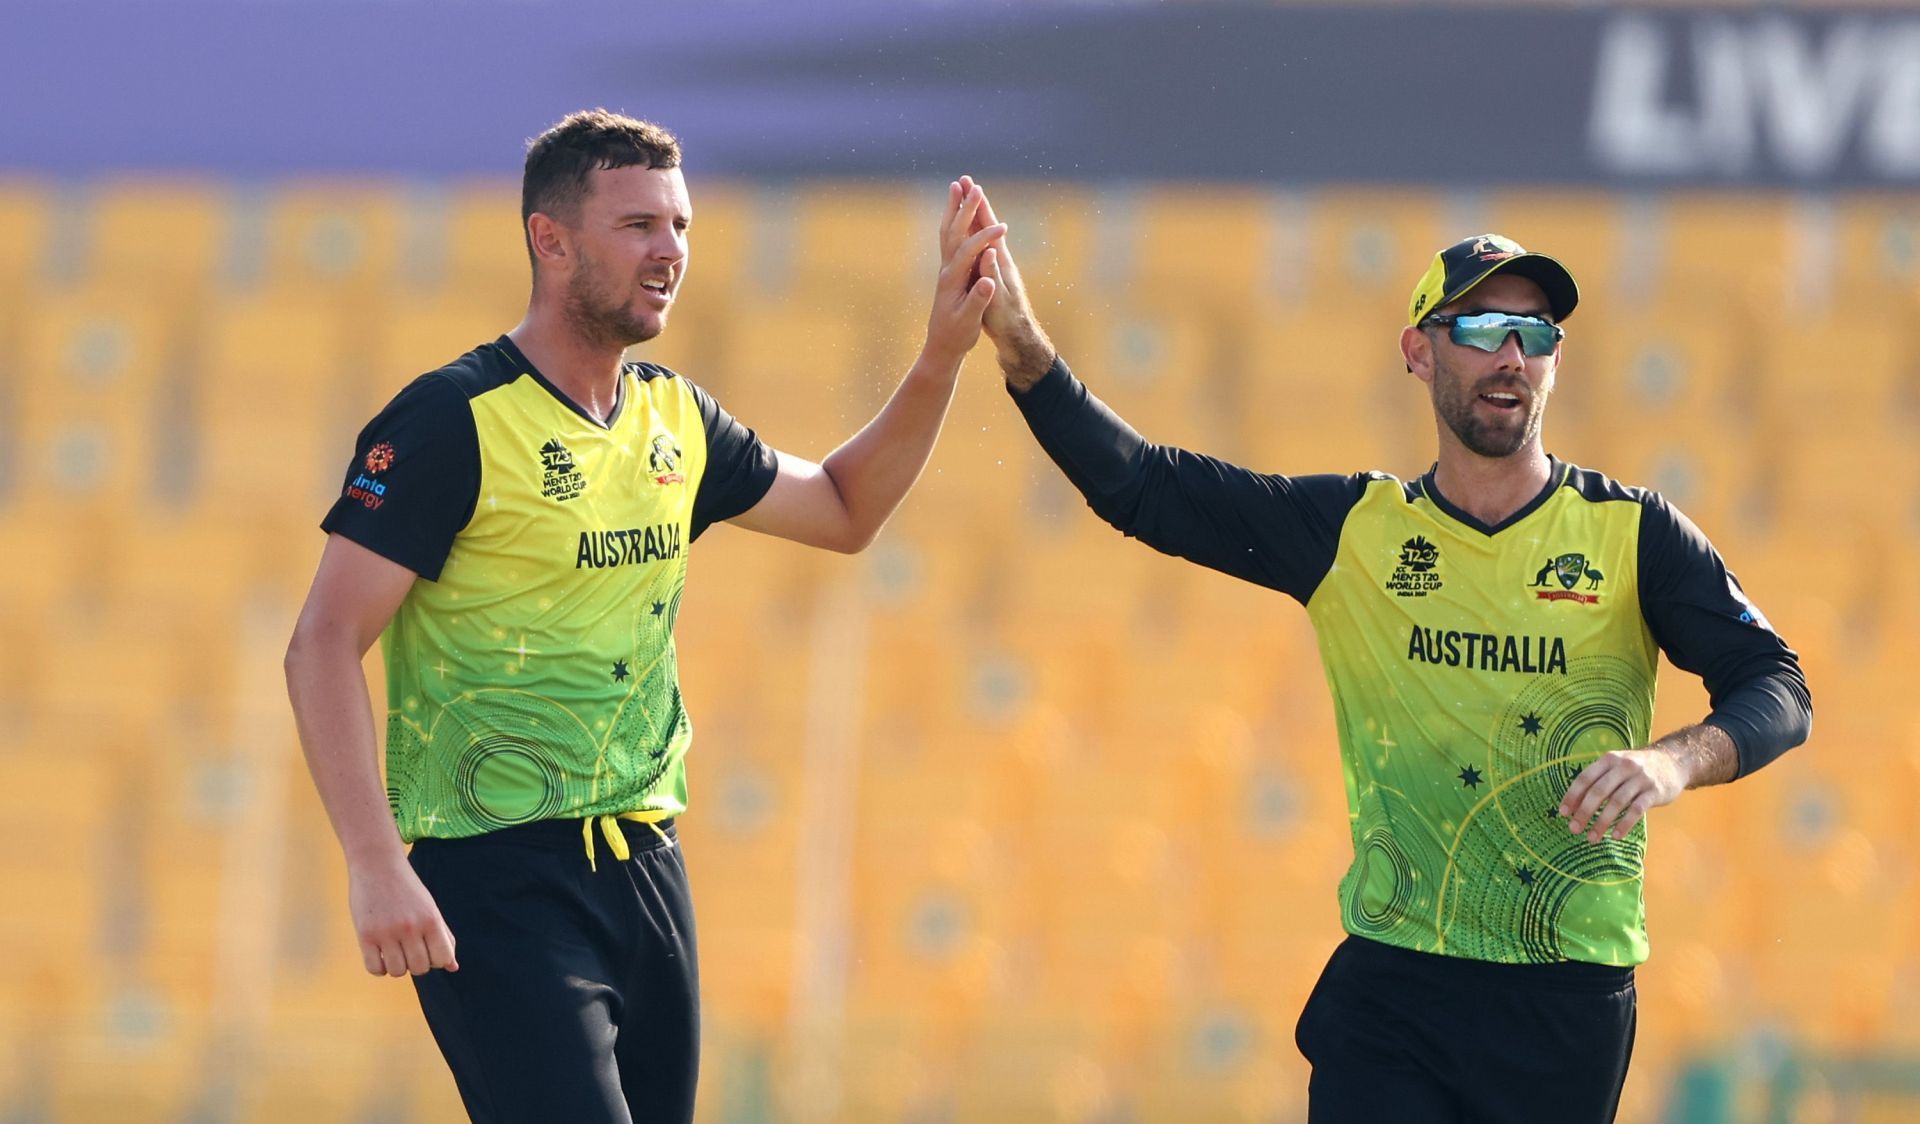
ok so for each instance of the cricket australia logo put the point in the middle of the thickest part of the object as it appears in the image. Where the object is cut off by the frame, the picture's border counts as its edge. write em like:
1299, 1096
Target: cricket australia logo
1568, 570
1414, 575
1492, 247
663, 461
560, 480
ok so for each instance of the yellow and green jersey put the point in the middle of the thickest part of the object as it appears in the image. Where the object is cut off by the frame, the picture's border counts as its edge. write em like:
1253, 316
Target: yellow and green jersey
1475, 669
531, 671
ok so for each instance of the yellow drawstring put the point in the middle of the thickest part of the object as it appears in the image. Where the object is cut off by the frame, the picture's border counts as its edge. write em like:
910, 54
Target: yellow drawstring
617, 839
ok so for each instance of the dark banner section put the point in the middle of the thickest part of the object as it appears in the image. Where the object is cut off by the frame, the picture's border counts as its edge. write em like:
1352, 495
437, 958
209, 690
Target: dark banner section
1236, 91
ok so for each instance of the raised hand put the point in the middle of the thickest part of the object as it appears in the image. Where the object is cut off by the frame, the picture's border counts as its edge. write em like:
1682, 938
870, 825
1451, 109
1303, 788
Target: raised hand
962, 293
1025, 351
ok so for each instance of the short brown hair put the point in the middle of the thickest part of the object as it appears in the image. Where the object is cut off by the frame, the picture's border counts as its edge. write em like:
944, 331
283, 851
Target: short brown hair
560, 159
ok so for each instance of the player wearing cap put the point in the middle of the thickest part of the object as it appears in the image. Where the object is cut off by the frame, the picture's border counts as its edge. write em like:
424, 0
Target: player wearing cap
1490, 632
515, 527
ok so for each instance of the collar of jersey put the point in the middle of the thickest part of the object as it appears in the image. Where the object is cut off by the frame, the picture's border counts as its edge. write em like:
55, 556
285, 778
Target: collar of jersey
1556, 476
525, 365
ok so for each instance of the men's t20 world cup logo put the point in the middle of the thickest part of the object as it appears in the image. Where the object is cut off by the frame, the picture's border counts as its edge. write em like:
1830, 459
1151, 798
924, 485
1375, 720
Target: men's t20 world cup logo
560, 479
1415, 574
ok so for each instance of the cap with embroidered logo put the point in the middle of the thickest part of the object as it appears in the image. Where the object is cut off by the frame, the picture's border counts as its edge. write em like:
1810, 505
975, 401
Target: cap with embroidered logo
1458, 268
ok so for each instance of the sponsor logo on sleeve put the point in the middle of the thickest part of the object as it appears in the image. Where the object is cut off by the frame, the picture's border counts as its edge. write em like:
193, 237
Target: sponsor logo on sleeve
1749, 612
366, 488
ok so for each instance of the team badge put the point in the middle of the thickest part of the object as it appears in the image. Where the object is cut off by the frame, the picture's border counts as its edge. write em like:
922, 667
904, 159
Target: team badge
1569, 570
663, 460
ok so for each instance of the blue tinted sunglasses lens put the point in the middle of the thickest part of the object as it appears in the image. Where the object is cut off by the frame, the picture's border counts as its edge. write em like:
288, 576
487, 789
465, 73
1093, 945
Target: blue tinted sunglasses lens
1488, 331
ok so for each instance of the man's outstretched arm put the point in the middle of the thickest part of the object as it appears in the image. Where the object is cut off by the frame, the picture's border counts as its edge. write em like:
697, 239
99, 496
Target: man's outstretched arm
841, 503
1275, 531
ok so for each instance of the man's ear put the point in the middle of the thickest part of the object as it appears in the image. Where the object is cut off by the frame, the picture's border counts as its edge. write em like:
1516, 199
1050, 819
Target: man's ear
1416, 347
548, 237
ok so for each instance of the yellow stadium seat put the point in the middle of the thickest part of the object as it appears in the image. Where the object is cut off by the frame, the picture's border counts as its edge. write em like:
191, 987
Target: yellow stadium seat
171, 234
1846, 369
1717, 482
99, 380
1741, 246
1826, 957
420, 334
1583, 230
922, 945
1039, 1062
1169, 372
857, 241
26, 222
350, 235
1203, 243
486, 242
154, 1070
1329, 392
799, 378
1876, 248
281, 396
1630, 370
1819, 470
723, 244
41, 783
109, 665
1366, 247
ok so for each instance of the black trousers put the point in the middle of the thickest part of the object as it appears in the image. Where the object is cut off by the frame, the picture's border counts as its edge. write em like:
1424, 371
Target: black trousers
578, 994
1410, 1037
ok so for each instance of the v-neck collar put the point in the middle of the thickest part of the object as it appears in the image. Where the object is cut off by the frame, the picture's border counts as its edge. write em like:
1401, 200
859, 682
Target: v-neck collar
519, 357
1556, 476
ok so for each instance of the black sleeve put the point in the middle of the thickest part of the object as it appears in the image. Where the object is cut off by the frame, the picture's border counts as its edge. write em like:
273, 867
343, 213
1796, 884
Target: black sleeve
1702, 619
415, 477
1276, 531
740, 467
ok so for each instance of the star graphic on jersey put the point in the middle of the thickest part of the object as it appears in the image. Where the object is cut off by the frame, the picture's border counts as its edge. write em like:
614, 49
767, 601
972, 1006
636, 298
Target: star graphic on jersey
1526, 875
620, 672
659, 607
1470, 777
1530, 725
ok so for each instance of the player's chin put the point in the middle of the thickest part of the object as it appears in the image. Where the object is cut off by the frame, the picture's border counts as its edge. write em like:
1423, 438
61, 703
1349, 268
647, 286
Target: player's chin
645, 324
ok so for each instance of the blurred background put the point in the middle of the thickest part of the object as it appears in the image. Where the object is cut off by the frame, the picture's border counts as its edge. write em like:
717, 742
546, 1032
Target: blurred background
1007, 818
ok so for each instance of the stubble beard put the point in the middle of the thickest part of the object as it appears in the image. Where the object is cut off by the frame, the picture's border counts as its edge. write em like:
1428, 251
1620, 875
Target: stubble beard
1454, 401
603, 320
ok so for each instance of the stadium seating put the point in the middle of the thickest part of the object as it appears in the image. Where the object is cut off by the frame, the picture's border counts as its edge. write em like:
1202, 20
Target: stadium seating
1084, 798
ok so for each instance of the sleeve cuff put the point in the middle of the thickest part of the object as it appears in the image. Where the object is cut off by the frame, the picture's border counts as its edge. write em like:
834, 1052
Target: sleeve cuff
1047, 391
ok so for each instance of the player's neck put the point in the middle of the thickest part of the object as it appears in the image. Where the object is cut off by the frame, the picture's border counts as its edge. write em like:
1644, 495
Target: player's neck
1491, 489
586, 372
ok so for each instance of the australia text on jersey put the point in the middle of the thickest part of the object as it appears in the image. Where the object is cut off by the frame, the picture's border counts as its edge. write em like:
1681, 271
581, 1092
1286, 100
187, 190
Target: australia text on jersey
626, 547
1488, 651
